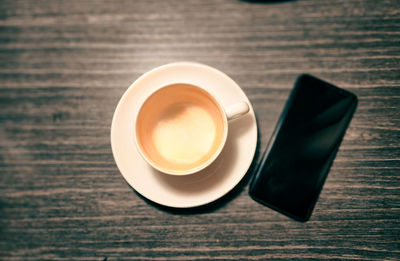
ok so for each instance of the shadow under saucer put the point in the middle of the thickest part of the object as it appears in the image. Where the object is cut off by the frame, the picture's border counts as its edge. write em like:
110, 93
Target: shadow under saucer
211, 177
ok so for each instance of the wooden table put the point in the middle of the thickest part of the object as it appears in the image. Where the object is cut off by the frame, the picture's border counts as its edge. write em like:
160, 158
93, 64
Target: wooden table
65, 64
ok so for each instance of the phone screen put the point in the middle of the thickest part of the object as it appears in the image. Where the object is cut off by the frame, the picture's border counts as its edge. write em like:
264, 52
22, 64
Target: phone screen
303, 146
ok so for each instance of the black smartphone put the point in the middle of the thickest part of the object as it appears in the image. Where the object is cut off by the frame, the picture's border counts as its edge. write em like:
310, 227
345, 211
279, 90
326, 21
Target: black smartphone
304, 143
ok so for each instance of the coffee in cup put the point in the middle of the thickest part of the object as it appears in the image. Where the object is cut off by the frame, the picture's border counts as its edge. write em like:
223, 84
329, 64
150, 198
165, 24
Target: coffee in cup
181, 128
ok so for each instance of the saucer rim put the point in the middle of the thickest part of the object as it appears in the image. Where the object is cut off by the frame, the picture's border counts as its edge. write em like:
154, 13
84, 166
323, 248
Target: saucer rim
128, 91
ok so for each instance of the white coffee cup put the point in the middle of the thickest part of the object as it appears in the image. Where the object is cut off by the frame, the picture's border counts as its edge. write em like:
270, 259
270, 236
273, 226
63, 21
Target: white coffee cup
181, 129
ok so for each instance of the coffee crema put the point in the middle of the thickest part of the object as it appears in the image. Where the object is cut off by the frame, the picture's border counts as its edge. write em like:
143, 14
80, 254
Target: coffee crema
180, 127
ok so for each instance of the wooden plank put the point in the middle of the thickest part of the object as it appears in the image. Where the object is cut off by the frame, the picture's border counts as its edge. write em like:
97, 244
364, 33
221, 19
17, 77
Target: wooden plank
65, 64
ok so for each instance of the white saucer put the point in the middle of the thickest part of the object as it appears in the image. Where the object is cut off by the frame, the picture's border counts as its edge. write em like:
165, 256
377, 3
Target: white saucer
199, 188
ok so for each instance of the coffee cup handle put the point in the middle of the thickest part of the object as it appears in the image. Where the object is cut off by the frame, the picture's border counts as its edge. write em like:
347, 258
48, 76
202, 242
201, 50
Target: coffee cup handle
237, 110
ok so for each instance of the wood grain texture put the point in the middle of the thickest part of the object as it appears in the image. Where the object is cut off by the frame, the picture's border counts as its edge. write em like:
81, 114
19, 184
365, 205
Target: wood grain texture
65, 64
